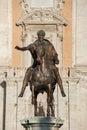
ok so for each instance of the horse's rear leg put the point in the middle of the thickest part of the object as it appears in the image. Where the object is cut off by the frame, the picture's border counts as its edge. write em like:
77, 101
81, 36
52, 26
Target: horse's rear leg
48, 100
48, 106
34, 100
33, 97
35, 105
52, 105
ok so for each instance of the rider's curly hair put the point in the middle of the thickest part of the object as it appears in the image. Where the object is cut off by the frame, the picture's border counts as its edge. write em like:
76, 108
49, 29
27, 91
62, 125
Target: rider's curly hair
41, 32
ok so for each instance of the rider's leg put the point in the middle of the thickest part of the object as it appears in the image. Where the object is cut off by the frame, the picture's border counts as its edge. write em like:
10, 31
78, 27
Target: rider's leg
59, 80
25, 81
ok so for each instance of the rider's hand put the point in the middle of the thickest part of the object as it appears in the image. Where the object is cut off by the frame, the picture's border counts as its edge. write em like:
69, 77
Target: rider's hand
17, 47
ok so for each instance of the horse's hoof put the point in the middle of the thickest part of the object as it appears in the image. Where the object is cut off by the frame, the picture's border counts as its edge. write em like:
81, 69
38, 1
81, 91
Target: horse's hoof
20, 95
63, 94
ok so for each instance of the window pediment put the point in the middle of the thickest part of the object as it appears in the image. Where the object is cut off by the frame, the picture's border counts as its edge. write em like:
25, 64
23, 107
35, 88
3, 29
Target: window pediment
42, 17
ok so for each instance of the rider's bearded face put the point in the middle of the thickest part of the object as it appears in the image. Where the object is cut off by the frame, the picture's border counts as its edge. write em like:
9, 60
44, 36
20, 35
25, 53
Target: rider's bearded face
40, 37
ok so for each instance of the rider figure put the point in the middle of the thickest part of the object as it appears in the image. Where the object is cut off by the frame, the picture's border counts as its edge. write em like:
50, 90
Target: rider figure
53, 58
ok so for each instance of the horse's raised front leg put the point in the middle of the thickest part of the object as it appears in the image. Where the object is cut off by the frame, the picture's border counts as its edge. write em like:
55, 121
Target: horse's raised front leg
61, 85
59, 80
25, 81
25, 84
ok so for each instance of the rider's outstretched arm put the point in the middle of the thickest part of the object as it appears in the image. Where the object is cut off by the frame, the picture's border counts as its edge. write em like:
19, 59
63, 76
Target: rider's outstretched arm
21, 48
29, 47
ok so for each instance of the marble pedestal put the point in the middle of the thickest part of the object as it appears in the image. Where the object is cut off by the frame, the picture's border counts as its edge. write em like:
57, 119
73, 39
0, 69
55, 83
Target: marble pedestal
42, 123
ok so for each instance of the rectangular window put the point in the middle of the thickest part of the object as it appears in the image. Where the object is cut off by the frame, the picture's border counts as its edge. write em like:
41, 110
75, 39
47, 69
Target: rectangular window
41, 3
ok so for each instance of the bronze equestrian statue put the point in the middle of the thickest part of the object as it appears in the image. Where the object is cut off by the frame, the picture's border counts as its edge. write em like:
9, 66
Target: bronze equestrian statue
52, 58
43, 80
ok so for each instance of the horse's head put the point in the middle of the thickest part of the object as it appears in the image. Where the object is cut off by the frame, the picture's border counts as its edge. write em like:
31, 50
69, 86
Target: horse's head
40, 53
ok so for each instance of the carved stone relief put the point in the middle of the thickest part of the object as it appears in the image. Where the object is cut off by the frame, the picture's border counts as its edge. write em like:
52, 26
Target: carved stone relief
27, 6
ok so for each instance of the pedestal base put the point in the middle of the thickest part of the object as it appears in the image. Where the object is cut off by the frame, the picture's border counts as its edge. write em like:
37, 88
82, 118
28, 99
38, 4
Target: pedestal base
42, 123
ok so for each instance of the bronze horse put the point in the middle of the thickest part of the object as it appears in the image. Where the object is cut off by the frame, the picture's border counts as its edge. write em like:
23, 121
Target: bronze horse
43, 80
43, 77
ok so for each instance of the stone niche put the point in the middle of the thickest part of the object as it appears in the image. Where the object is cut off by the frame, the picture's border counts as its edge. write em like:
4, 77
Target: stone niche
47, 18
